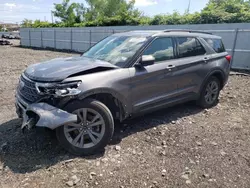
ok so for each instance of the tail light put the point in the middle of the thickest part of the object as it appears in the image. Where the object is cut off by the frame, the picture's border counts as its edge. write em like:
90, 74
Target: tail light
228, 57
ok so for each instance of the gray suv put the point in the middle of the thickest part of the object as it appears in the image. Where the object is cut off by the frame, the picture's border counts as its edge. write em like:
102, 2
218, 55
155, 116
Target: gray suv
123, 75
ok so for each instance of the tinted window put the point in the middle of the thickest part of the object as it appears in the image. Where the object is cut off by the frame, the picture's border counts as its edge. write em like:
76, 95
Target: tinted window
162, 49
216, 44
189, 47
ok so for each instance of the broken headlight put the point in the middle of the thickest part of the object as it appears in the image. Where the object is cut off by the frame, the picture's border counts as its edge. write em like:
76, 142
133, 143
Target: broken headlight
59, 89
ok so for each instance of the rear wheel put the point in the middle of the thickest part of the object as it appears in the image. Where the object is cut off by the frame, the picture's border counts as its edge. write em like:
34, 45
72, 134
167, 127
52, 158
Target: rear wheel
210, 93
92, 131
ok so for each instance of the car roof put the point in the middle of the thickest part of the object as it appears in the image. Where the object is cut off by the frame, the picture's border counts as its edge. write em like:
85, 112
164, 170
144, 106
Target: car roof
157, 33
138, 33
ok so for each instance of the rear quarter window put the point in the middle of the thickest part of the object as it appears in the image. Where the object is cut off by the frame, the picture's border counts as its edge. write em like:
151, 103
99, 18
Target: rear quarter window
216, 44
189, 47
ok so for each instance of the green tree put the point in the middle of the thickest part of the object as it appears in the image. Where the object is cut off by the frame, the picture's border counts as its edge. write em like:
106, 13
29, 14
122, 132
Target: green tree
123, 12
26, 23
98, 12
69, 13
226, 11
39, 23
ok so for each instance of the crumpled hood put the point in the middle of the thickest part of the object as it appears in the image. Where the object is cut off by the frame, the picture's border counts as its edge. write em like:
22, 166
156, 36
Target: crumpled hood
60, 68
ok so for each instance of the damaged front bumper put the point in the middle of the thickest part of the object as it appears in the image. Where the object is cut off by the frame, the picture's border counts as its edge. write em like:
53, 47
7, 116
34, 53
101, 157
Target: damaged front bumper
42, 115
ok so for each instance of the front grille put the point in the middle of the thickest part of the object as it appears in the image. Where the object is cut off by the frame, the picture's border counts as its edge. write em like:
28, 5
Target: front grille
27, 90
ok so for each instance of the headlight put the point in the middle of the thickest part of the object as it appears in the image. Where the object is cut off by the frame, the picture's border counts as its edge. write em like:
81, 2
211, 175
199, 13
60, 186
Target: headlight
59, 90
67, 92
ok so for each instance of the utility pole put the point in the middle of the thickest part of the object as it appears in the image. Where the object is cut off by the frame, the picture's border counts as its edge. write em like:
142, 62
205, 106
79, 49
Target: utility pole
52, 18
188, 9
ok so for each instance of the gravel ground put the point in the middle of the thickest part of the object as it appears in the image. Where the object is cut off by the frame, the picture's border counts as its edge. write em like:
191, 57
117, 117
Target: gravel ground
182, 146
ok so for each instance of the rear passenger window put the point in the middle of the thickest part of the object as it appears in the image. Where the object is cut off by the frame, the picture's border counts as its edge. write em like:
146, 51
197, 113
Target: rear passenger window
162, 49
216, 44
189, 47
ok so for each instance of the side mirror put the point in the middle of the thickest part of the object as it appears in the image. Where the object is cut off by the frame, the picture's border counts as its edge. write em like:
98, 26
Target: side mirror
147, 60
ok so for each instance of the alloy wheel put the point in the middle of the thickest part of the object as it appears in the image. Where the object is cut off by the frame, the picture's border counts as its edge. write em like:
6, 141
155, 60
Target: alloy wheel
87, 131
212, 91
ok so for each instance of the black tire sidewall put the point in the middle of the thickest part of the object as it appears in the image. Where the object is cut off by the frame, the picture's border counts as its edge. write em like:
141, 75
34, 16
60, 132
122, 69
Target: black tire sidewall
202, 102
109, 127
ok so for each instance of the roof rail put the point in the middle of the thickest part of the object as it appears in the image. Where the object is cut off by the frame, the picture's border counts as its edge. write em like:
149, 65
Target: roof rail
189, 31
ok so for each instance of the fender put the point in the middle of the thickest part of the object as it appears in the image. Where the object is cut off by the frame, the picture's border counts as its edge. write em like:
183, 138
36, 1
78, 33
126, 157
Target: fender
124, 101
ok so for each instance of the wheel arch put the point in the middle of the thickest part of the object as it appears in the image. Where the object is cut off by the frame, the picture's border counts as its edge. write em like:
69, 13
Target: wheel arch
116, 102
219, 74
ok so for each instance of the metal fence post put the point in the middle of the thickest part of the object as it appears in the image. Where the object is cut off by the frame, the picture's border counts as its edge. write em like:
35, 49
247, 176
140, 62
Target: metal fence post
71, 39
42, 38
234, 45
90, 38
29, 38
54, 38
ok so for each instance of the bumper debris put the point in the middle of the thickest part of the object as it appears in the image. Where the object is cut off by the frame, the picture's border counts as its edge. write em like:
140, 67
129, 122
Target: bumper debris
47, 115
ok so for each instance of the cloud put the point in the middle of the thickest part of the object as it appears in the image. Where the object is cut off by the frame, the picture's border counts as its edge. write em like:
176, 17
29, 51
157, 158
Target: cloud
140, 3
28, 7
9, 6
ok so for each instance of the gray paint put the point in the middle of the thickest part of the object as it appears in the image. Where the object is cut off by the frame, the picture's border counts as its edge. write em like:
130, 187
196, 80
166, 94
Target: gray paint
60, 68
139, 89
49, 116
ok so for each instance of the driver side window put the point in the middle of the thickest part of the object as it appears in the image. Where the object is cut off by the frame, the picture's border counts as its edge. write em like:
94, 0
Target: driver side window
161, 49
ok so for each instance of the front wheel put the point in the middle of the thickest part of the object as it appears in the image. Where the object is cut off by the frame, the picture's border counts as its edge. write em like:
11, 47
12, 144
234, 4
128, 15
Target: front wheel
210, 93
92, 131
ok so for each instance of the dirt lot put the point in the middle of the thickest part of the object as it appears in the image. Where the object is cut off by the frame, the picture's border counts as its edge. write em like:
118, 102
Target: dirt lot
182, 146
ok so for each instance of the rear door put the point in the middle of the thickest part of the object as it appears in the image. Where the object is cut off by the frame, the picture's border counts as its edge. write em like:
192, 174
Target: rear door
219, 55
151, 85
218, 47
191, 59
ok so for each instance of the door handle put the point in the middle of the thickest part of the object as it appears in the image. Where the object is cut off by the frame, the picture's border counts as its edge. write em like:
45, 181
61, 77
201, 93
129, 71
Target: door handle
206, 59
170, 67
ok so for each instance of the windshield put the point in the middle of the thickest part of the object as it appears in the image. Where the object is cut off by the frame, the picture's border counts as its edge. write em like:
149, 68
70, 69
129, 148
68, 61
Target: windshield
117, 50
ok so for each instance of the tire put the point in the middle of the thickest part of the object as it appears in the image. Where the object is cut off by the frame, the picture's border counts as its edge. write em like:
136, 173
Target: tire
203, 101
82, 148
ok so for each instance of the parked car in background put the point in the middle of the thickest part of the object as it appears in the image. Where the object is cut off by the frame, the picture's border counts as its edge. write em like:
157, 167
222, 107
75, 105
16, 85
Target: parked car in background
4, 36
9, 36
17, 36
125, 75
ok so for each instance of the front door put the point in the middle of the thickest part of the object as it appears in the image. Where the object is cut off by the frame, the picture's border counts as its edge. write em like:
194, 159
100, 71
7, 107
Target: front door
152, 85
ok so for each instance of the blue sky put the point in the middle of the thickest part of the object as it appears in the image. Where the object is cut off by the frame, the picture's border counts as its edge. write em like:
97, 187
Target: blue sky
13, 11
